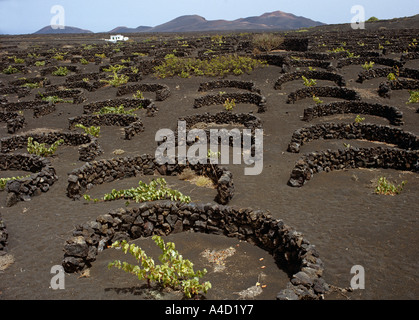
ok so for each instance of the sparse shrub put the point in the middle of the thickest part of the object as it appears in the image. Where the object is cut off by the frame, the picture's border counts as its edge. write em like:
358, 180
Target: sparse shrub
359, 119
40, 63
10, 70
54, 99
117, 80
40, 149
368, 65
58, 57
17, 60
84, 61
114, 68
117, 110
229, 104
100, 55
31, 85
373, 19
174, 271
391, 77
317, 99
267, 41
138, 95
92, 130
414, 97
155, 190
216, 66
88, 46
387, 188
309, 83
61, 71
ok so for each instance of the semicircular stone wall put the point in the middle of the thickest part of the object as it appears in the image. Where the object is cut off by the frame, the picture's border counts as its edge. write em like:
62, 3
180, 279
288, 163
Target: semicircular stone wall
289, 248
368, 131
88, 145
393, 114
325, 161
335, 92
319, 75
98, 172
40, 180
239, 97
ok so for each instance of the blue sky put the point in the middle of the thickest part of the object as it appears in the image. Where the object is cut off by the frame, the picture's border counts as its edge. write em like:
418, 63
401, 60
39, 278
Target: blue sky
28, 16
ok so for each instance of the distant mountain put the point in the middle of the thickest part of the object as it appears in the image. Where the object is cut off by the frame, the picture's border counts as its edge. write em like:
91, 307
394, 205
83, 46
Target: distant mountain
411, 22
281, 20
50, 30
130, 30
276, 20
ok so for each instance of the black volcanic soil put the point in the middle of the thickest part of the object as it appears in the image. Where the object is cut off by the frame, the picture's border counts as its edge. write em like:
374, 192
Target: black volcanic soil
336, 211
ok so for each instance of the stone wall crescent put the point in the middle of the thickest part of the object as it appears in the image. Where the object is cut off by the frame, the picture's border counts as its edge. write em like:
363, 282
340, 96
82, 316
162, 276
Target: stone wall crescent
383, 73
42, 178
88, 145
98, 172
246, 97
335, 92
146, 104
378, 60
367, 131
384, 88
393, 114
319, 75
4, 235
132, 123
162, 91
217, 84
289, 248
13, 120
387, 158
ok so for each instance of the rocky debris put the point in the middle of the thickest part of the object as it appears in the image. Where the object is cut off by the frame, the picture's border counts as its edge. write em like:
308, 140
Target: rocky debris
4, 235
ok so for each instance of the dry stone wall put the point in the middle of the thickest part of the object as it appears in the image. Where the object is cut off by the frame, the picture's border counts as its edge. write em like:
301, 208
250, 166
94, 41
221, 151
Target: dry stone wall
393, 114
371, 132
325, 161
42, 178
98, 172
289, 248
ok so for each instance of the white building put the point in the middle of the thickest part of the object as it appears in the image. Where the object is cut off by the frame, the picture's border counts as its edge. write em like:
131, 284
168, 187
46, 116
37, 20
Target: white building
116, 38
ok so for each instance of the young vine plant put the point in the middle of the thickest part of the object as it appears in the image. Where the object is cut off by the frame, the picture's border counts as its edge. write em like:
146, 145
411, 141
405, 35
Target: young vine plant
155, 190
174, 271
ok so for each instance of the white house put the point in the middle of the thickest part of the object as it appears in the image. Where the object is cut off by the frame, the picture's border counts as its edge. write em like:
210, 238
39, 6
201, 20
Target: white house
116, 38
